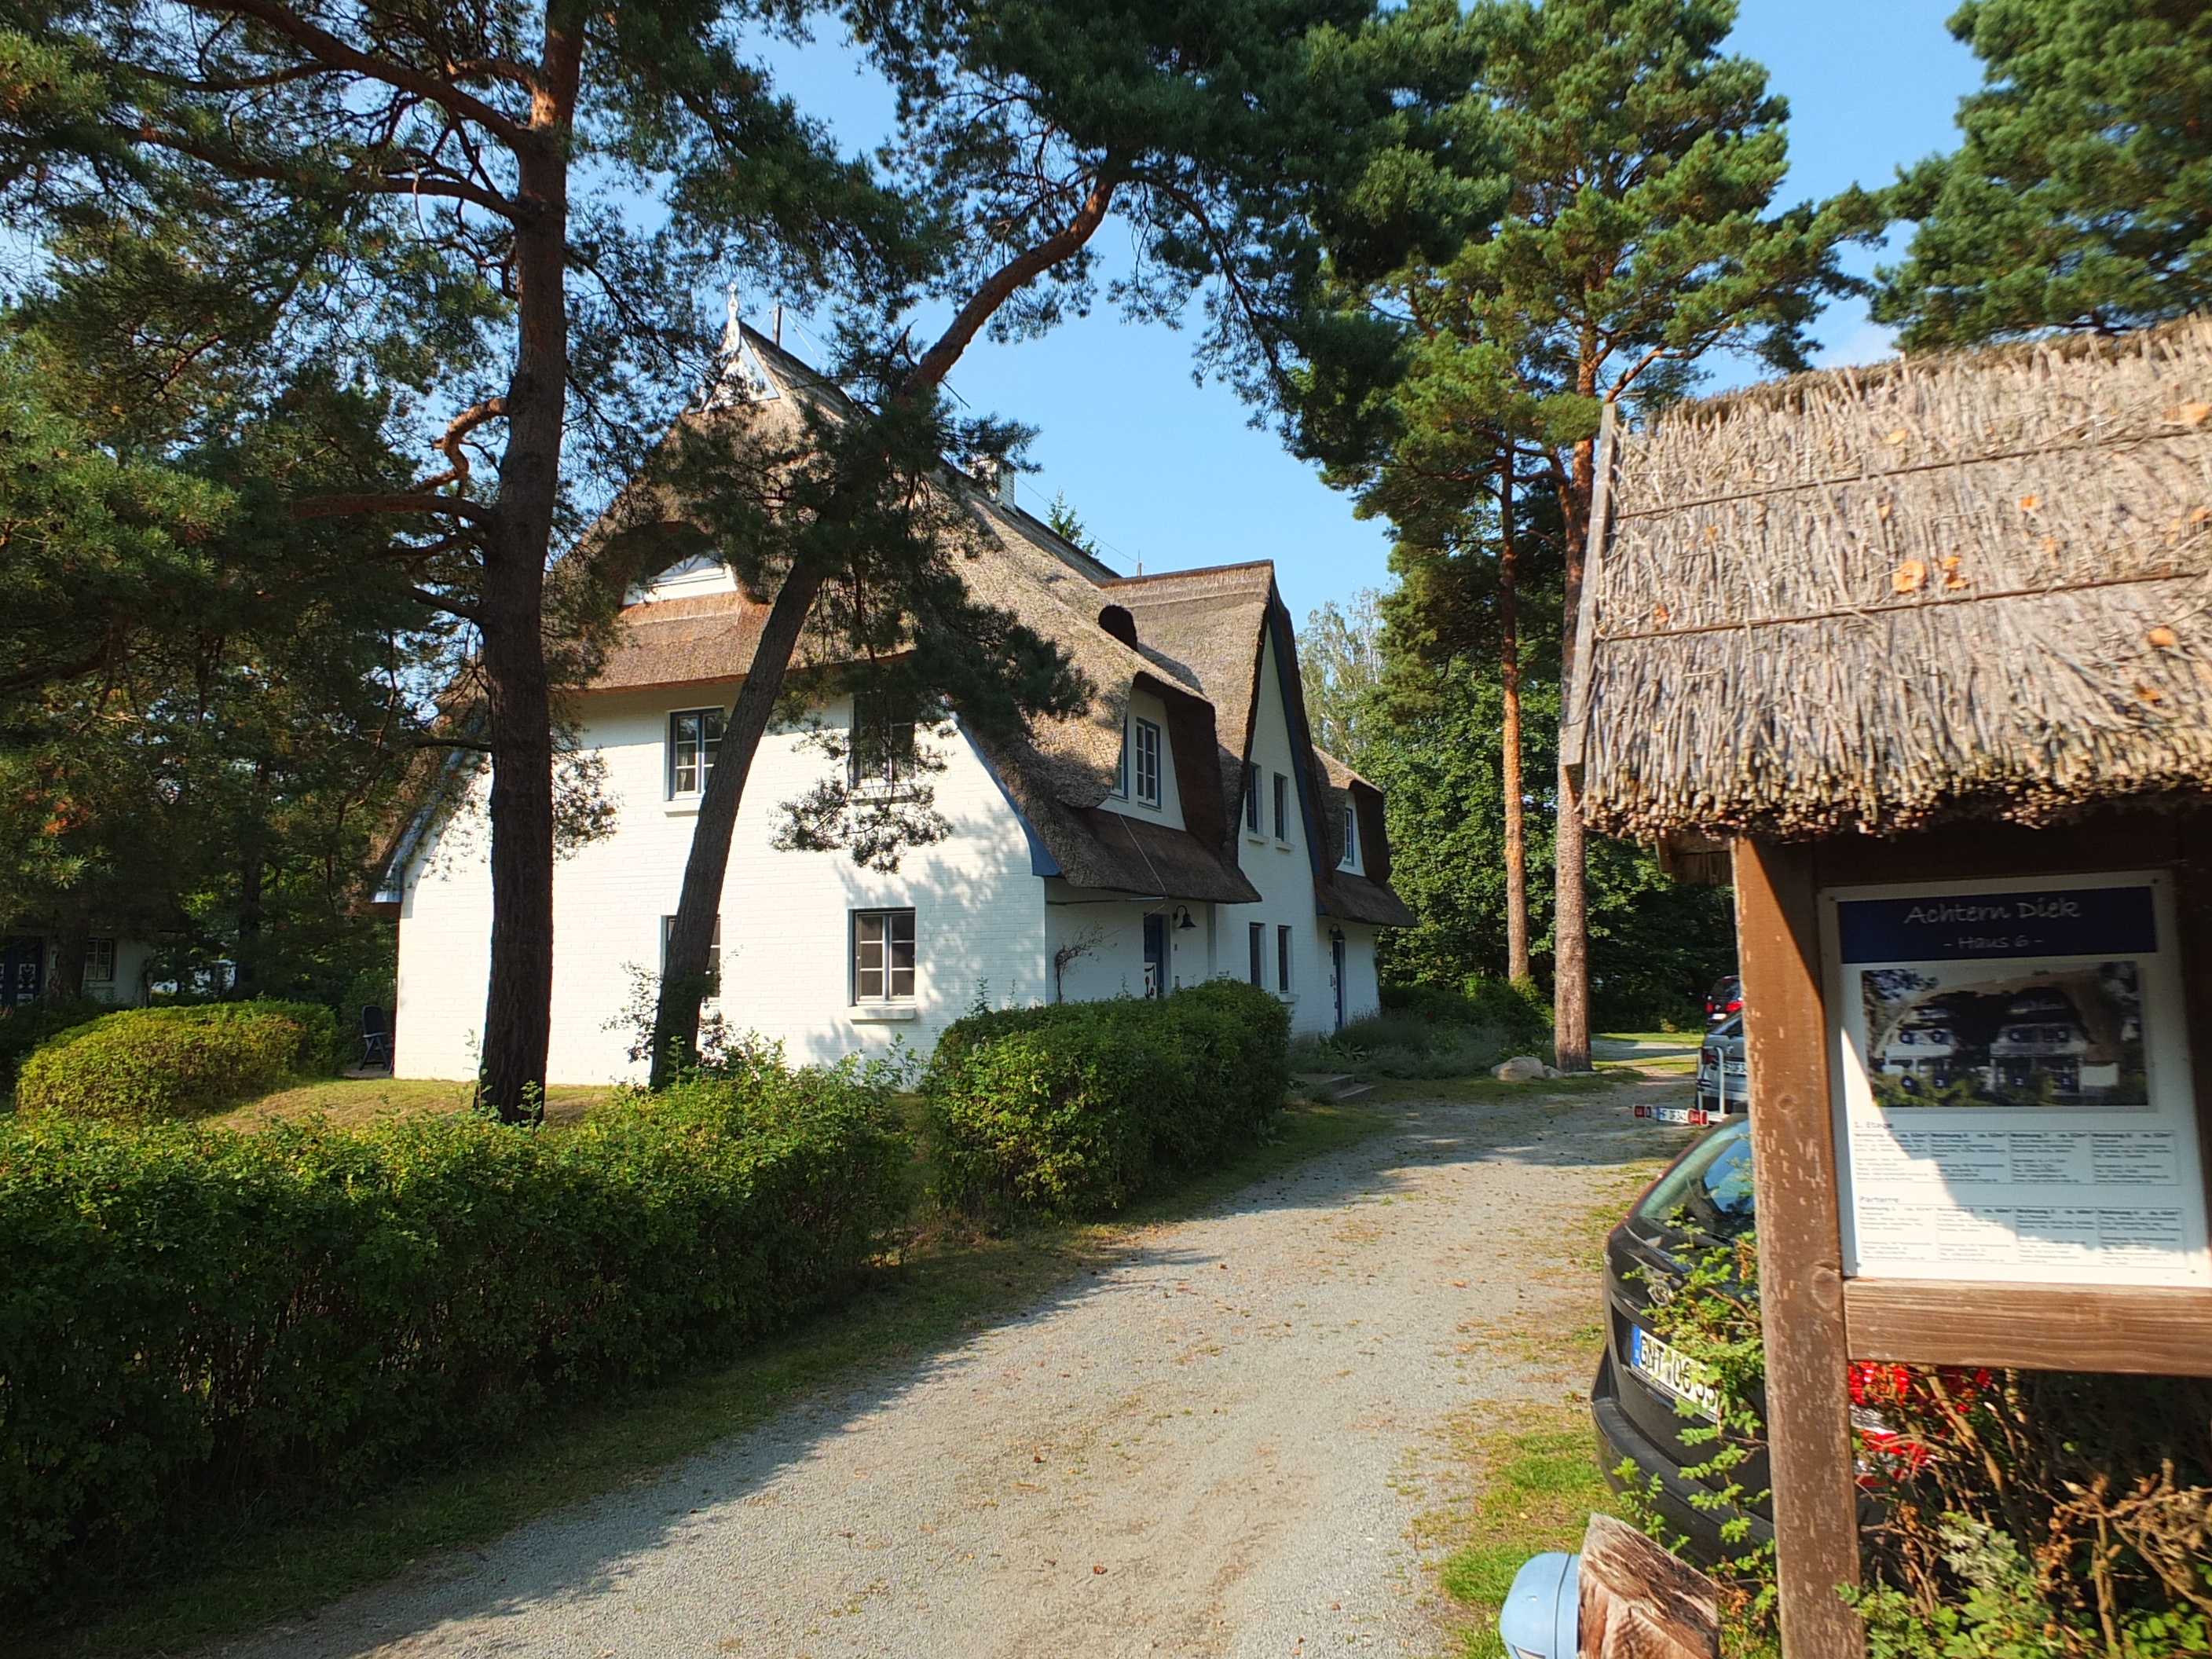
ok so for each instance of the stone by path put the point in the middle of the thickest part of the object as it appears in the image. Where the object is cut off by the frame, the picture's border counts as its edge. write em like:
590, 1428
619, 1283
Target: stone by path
1198, 1450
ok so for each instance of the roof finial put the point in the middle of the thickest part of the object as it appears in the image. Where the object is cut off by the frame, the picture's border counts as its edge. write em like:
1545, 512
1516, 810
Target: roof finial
733, 331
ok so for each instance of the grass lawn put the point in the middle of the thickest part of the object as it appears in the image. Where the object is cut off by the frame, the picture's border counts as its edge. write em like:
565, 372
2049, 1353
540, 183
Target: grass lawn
353, 1103
937, 1292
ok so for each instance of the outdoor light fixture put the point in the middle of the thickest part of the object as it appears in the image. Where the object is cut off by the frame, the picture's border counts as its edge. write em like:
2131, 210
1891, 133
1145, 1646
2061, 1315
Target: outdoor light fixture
1182, 918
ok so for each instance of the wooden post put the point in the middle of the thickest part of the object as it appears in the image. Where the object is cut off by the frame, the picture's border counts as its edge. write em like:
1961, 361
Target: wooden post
1799, 1251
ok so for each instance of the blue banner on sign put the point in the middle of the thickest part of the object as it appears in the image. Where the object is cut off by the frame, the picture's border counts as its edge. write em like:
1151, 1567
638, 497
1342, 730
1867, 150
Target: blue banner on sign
2081, 921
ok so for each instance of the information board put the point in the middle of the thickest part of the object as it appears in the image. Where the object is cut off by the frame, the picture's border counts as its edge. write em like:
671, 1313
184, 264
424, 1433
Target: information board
2012, 1073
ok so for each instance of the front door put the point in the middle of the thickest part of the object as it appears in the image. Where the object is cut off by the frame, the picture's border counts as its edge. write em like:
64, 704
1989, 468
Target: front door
1336, 973
1156, 956
22, 969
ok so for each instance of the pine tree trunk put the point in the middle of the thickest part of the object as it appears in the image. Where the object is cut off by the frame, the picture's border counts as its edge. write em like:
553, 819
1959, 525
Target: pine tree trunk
245, 980
519, 1000
71, 952
691, 935
1570, 911
1509, 674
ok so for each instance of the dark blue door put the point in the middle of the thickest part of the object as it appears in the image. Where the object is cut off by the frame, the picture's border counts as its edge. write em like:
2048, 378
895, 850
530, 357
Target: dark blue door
1156, 956
1336, 973
22, 969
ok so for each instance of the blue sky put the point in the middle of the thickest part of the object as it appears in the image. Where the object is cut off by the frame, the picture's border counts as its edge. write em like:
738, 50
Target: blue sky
1171, 475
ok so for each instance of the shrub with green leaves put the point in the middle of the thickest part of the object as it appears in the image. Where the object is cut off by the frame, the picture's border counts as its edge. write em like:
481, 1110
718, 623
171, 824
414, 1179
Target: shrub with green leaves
182, 1306
1078, 1108
152, 1065
1514, 1009
22, 1030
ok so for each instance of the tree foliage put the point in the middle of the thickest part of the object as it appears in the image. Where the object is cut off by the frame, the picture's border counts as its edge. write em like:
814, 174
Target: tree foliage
2080, 197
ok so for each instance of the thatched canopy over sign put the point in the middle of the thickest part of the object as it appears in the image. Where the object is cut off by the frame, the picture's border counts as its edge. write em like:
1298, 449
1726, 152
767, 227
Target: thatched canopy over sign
1979, 584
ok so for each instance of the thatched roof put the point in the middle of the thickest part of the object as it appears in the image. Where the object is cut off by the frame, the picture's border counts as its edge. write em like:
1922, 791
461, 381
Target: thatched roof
1193, 639
1976, 584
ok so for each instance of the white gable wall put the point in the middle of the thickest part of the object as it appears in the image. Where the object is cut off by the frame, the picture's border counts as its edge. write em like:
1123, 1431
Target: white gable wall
1282, 869
785, 916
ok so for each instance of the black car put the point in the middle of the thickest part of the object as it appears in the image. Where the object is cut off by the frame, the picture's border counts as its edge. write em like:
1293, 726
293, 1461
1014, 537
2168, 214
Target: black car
1723, 1081
1725, 997
1705, 1198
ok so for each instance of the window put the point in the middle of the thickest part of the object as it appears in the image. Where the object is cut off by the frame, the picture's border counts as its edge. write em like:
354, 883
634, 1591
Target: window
883, 956
1252, 798
1259, 950
1142, 761
99, 962
1283, 960
883, 739
694, 736
1351, 858
713, 954
1282, 807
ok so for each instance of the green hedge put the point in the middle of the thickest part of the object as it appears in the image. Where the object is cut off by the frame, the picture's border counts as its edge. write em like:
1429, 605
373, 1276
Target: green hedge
1076, 1108
22, 1030
183, 1307
1514, 1008
151, 1064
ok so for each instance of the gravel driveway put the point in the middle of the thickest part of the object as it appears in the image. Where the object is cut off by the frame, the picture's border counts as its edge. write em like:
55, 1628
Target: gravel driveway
1203, 1449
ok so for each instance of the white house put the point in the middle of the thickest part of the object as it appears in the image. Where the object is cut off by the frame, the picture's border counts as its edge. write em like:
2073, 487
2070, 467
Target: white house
1180, 827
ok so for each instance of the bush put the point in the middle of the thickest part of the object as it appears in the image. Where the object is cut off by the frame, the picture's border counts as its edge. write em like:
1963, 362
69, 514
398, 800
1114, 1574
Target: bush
1514, 1009
1076, 1108
22, 1030
185, 1306
151, 1064
1400, 1043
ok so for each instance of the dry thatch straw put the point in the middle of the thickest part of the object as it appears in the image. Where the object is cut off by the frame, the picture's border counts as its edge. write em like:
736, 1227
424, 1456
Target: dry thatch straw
1970, 584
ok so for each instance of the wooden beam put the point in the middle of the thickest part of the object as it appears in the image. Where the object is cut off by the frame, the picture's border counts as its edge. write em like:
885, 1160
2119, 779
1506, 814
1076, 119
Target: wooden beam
2047, 1328
1799, 1251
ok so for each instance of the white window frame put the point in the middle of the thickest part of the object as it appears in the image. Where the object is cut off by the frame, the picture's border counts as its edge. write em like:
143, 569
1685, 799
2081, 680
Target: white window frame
886, 918
1252, 798
1282, 807
1283, 957
702, 764
99, 962
1259, 939
1350, 858
1145, 780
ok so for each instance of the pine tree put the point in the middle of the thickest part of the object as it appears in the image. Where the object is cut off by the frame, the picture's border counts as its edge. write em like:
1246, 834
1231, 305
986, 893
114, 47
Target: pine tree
2081, 195
1636, 166
434, 202
1221, 135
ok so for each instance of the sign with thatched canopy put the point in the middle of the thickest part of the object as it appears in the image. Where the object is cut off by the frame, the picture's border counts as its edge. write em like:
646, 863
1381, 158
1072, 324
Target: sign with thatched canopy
1922, 654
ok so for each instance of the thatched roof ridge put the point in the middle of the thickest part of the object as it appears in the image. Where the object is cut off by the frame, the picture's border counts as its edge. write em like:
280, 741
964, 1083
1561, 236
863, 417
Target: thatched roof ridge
1974, 584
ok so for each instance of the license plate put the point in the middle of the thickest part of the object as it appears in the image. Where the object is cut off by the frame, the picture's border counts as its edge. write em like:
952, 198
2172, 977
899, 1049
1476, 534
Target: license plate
1673, 1372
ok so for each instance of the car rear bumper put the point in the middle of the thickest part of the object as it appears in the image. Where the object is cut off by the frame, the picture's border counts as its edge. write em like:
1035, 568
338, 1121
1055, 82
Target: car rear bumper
1619, 1440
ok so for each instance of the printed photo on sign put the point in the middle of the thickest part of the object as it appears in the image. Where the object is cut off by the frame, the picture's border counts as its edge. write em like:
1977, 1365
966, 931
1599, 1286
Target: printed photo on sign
2019, 1035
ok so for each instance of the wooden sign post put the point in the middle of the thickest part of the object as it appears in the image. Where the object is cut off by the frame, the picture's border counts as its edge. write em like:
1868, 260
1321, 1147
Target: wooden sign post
2106, 1270
1926, 642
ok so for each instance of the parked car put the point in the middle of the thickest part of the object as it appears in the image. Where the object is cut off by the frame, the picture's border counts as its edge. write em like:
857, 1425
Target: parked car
1723, 1082
1705, 1198
1725, 997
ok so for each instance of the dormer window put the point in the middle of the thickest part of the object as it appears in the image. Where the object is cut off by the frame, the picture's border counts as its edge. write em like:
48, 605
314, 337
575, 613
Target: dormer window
1138, 777
1350, 858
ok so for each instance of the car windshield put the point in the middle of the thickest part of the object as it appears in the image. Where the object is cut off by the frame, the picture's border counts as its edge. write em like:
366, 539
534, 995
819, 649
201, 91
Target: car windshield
1710, 1190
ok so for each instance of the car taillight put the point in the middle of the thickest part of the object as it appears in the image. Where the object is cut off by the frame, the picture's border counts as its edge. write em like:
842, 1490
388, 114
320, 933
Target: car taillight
1708, 1056
1735, 1007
